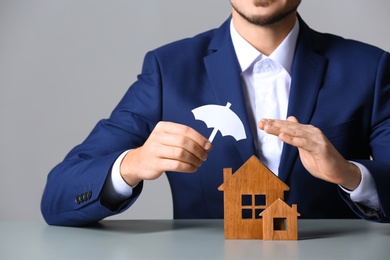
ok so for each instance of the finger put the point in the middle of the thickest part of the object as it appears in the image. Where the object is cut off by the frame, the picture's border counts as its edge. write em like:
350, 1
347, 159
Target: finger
180, 154
183, 142
299, 142
177, 166
179, 129
313, 141
270, 126
292, 119
291, 132
289, 126
275, 124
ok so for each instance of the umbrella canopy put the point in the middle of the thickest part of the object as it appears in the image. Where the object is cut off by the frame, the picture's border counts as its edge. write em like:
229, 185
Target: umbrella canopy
222, 119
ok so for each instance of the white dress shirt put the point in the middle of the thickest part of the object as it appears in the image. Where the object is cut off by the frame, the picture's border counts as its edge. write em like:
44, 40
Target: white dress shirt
266, 82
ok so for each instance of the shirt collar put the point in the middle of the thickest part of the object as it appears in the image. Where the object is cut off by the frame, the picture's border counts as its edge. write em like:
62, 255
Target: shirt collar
247, 54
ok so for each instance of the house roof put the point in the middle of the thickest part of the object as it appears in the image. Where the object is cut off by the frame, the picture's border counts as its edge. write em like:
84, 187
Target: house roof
254, 170
280, 206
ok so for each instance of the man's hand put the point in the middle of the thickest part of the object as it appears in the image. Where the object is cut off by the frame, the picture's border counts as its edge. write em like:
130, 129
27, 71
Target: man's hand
317, 154
170, 147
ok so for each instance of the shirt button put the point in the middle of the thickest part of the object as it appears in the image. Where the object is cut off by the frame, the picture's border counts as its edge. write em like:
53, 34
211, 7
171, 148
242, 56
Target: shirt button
266, 139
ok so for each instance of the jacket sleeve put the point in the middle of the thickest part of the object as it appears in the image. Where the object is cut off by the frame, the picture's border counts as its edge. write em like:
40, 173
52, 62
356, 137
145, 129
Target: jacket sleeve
72, 195
379, 143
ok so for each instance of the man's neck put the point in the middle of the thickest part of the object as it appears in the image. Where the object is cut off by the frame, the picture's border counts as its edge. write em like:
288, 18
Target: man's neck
264, 38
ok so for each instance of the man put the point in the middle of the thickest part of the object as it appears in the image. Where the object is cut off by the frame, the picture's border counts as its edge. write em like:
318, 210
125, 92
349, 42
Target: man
315, 109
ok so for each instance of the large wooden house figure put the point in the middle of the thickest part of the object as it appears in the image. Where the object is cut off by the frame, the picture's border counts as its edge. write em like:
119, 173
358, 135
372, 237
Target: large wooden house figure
280, 221
247, 193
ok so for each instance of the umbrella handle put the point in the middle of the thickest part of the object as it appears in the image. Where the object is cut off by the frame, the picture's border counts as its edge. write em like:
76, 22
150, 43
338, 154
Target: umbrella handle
211, 138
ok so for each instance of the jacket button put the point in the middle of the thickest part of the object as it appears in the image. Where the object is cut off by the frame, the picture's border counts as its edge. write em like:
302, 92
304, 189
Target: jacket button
77, 200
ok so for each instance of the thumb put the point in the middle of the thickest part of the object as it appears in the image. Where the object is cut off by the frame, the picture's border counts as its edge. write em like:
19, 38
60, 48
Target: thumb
292, 119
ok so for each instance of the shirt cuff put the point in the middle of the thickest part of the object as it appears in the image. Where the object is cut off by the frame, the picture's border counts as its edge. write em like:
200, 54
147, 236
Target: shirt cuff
115, 189
366, 193
119, 185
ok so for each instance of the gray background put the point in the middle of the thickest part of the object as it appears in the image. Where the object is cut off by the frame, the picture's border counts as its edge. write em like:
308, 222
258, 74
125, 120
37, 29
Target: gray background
64, 64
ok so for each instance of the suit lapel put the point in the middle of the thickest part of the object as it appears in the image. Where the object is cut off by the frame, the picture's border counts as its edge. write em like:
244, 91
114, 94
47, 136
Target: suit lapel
307, 74
224, 74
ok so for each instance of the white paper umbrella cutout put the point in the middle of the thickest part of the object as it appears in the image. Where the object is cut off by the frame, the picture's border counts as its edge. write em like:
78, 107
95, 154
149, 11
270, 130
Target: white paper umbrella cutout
222, 119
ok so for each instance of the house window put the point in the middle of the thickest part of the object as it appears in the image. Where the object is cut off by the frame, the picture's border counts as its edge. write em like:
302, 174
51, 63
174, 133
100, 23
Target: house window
280, 224
252, 205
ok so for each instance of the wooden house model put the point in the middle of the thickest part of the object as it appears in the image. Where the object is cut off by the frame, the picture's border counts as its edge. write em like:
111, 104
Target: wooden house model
280, 221
247, 193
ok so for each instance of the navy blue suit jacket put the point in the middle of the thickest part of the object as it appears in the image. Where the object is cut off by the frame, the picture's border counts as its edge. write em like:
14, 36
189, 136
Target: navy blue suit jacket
338, 85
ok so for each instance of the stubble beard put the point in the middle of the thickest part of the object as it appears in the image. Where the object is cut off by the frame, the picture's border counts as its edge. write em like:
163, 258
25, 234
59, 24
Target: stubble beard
265, 21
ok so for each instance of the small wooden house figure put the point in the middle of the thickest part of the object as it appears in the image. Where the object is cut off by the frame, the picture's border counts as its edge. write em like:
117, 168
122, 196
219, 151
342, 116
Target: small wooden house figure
280, 221
247, 192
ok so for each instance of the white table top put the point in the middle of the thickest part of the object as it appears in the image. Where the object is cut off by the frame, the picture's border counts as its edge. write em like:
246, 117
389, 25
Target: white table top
190, 239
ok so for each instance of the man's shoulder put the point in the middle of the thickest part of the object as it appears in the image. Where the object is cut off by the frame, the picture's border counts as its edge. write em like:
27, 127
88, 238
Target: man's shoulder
331, 44
343, 56
199, 41
195, 45
335, 44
